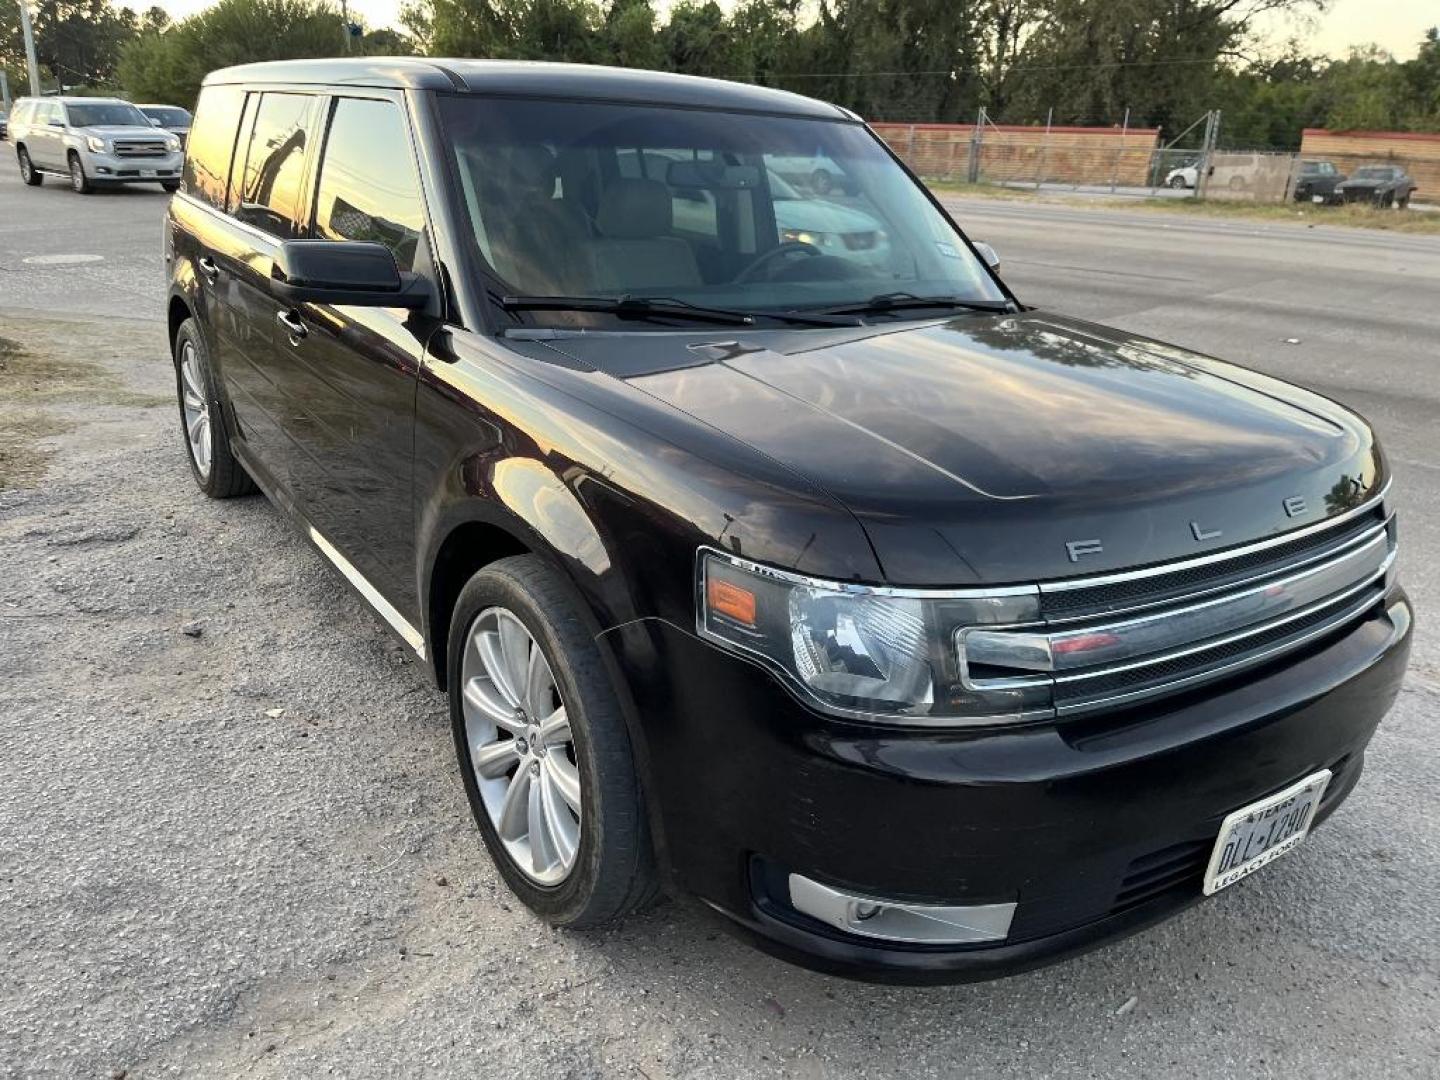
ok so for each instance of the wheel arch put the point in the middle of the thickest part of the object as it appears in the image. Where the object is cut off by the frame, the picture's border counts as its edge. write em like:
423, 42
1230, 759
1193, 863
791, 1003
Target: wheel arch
177, 310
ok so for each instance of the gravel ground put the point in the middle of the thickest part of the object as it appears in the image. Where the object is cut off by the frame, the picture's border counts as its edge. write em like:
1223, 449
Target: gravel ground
233, 840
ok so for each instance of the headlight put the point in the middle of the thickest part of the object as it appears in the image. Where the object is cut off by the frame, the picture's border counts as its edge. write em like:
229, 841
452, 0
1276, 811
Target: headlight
95, 143
172, 142
806, 236
866, 652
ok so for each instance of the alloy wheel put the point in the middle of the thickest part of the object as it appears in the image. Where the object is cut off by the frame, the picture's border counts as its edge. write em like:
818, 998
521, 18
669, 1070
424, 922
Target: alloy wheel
196, 408
26, 168
521, 746
77, 174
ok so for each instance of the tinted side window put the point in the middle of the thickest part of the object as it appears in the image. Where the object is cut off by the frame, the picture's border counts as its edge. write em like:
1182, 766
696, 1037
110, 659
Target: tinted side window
272, 193
368, 189
211, 144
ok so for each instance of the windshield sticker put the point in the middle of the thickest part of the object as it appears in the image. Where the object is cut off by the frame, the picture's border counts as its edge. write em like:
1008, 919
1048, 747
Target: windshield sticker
948, 250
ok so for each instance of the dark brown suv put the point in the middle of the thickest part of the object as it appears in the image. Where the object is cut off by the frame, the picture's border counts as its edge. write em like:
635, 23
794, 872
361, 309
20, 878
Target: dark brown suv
767, 547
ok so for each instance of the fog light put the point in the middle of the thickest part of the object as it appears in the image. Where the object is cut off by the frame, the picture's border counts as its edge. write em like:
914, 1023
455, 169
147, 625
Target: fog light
893, 920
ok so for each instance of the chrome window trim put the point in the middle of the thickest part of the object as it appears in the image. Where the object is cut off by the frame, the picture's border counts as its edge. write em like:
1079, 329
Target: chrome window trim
1071, 584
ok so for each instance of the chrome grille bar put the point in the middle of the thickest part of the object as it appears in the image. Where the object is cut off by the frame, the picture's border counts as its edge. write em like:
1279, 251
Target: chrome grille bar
1116, 642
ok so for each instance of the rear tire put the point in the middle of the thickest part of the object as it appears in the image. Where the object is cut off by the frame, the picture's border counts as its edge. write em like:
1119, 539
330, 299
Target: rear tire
604, 869
202, 427
28, 172
79, 182
1178, 182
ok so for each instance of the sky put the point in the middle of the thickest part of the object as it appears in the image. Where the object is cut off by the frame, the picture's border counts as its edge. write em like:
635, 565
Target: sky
1395, 25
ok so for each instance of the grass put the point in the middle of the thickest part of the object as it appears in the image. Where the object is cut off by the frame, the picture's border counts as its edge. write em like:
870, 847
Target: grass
1350, 216
983, 190
29, 382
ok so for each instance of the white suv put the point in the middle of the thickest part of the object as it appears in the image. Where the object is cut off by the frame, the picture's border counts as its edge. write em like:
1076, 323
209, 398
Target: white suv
92, 141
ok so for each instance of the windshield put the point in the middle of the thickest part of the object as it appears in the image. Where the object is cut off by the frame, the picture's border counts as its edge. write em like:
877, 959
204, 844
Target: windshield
113, 114
168, 117
1374, 173
727, 210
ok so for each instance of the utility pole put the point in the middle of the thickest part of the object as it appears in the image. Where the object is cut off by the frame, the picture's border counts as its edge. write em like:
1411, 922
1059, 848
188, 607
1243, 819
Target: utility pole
4, 91
973, 174
1207, 152
345, 24
29, 47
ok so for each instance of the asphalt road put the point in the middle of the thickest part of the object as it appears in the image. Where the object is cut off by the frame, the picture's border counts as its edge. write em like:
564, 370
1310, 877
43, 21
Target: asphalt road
246, 851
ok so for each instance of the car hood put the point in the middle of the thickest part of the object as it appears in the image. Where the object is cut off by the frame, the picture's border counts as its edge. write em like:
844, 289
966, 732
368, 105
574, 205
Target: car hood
122, 131
821, 217
976, 449
1365, 182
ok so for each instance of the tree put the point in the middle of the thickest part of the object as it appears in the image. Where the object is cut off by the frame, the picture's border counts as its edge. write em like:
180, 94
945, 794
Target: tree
169, 66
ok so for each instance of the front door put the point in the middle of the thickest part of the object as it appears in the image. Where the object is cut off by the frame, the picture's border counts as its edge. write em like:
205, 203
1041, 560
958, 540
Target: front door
348, 374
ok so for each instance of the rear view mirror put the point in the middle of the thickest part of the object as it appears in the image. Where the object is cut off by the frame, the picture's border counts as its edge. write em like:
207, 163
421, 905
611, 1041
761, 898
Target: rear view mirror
712, 174
987, 253
355, 272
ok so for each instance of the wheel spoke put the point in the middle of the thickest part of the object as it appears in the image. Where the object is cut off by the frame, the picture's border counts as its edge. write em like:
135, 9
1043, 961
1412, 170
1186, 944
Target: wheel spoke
205, 442
563, 828
493, 760
515, 647
195, 427
555, 728
565, 779
485, 698
543, 850
539, 685
191, 383
511, 823
493, 660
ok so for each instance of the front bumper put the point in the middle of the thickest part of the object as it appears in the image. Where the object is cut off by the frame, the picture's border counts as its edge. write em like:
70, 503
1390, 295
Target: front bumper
1093, 828
111, 169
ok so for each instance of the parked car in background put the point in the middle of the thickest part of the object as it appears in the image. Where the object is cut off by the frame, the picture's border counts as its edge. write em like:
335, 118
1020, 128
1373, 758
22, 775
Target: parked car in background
170, 118
1182, 177
1380, 185
1316, 182
92, 142
814, 172
924, 635
4, 125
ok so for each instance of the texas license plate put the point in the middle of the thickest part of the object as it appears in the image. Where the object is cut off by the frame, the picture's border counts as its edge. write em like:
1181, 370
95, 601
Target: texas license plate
1258, 834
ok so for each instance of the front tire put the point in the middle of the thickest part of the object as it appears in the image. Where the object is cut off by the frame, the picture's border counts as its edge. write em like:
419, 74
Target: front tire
1178, 182
28, 172
79, 182
207, 444
544, 751
170, 186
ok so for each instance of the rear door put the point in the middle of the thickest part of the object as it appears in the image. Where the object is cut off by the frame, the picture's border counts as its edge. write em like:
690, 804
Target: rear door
351, 374
45, 143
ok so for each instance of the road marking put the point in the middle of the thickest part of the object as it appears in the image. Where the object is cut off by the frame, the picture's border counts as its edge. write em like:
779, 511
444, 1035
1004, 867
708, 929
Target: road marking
63, 260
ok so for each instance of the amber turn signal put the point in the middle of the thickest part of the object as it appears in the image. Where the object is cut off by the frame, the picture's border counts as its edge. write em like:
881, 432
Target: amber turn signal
731, 601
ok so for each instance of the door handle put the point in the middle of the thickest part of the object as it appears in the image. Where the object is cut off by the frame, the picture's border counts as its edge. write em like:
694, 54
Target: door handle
208, 268
291, 322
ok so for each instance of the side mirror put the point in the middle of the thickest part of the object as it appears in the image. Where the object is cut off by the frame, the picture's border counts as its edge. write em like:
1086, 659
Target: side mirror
987, 253
57, 122
360, 273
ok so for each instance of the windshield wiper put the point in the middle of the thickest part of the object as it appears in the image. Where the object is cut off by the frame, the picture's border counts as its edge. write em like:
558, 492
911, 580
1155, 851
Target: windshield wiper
904, 301
644, 307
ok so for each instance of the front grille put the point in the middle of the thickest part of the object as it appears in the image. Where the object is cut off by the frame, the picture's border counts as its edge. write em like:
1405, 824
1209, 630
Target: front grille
1125, 638
138, 148
1128, 592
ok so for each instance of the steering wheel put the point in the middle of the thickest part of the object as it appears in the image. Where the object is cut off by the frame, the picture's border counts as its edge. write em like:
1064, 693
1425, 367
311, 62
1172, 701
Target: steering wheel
780, 251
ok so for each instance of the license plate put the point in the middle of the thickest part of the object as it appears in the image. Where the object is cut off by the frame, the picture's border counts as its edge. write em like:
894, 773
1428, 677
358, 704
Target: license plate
147, 172
1317, 198
1258, 834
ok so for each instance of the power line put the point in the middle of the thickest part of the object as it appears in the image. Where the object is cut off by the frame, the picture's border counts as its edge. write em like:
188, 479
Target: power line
1101, 65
